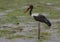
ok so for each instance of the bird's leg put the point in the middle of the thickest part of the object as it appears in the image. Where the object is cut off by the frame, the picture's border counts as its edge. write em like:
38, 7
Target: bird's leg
38, 30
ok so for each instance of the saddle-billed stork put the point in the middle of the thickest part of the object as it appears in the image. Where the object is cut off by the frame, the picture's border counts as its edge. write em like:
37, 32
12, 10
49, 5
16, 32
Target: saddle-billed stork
38, 17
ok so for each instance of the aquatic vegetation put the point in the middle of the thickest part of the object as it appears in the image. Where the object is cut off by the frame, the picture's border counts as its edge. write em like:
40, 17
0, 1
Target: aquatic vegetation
58, 28
15, 36
44, 36
5, 32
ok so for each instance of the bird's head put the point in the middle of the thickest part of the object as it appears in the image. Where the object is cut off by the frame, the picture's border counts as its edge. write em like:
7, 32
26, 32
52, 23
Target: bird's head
29, 8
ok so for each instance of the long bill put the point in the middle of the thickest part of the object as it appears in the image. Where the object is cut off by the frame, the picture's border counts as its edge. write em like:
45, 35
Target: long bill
27, 10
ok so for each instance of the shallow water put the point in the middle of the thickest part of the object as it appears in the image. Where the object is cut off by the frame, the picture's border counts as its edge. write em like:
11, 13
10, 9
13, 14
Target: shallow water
27, 27
54, 37
17, 40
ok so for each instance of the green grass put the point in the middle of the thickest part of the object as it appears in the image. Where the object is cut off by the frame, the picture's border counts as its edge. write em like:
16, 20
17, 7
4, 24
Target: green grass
8, 20
14, 4
15, 36
44, 36
19, 36
4, 33
58, 28
30, 37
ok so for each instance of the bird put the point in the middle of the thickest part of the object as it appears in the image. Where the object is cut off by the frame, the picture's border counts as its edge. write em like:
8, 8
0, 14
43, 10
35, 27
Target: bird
38, 17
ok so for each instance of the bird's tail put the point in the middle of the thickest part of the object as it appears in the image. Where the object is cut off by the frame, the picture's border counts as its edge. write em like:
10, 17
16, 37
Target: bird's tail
47, 22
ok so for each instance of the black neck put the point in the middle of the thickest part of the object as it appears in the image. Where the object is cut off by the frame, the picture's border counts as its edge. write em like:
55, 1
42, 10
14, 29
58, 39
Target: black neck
31, 8
30, 12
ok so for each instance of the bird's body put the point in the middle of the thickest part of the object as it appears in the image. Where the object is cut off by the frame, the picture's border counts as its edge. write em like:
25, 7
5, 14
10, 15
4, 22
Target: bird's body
41, 18
38, 17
